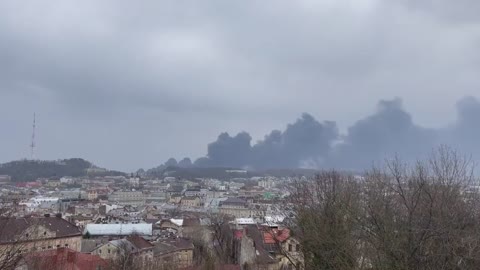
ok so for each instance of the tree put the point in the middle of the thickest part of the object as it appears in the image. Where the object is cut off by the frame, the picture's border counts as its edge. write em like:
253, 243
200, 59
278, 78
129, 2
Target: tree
423, 216
399, 217
325, 212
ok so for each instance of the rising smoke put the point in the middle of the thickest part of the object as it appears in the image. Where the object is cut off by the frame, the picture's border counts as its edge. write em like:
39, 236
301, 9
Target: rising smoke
308, 142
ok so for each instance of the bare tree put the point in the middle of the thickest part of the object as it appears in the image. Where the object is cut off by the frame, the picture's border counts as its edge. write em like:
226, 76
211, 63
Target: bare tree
400, 216
325, 220
423, 216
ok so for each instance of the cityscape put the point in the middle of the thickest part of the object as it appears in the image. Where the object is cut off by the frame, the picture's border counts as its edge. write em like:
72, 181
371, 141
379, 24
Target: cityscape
239, 135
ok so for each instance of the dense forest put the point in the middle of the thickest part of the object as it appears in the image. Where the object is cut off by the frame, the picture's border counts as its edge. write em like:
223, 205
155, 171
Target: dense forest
30, 170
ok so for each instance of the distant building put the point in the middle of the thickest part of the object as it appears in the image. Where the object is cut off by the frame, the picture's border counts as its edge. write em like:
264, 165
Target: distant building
118, 229
268, 248
266, 183
128, 197
39, 234
134, 245
239, 208
5, 179
176, 252
92, 194
66, 180
62, 258
191, 201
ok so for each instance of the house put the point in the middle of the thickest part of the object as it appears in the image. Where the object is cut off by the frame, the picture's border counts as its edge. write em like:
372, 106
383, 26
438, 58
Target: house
140, 248
175, 199
61, 259
30, 234
191, 201
174, 190
192, 192
268, 248
174, 252
127, 197
239, 208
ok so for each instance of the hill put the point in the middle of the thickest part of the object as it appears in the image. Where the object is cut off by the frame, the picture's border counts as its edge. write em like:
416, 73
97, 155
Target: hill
30, 170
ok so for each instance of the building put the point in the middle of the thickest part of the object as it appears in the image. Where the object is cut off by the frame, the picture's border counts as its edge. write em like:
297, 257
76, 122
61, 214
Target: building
135, 245
191, 201
118, 229
92, 194
191, 192
175, 199
5, 179
30, 234
239, 208
176, 252
127, 197
268, 248
61, 259
266, 183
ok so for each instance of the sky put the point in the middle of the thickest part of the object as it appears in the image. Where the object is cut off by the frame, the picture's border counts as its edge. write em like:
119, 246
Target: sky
129, 84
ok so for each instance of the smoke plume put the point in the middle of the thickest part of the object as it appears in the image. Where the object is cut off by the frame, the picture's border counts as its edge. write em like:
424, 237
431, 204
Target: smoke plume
307, 142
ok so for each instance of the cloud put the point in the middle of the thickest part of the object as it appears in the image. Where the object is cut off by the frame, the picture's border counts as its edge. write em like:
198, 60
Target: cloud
162, 78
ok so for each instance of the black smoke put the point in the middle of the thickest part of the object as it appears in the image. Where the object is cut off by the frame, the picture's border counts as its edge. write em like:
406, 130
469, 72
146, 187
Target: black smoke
307, 142
306, 139
389, 131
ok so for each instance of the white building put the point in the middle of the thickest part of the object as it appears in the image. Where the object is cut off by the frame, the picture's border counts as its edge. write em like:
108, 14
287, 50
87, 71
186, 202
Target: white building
118, 229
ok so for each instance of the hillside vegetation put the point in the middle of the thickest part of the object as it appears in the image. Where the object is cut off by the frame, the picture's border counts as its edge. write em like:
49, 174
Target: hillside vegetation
31, 170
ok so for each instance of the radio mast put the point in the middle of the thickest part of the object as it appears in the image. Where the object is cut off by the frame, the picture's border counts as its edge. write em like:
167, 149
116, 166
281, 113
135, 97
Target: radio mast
32, 145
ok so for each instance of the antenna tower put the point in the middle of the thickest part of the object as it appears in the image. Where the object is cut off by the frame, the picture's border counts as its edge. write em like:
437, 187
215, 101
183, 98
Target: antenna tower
32, 145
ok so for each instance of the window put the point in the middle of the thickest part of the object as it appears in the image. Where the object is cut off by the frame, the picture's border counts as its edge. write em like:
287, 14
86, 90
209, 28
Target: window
289, 247
44, 233
58, 246
66, 245
100, 251
26, 235
49, 247
297, 247
109, 251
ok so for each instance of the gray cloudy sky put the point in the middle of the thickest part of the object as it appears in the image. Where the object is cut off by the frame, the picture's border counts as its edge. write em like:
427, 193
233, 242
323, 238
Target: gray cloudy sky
128, 84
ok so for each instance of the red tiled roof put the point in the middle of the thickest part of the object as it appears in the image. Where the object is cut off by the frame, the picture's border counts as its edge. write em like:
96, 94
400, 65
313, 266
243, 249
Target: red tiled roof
238, 234
275, 235
65, 259
217, 267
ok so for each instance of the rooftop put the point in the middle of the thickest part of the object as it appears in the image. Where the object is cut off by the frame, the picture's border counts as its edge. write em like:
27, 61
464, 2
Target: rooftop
11, 228
118, 229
